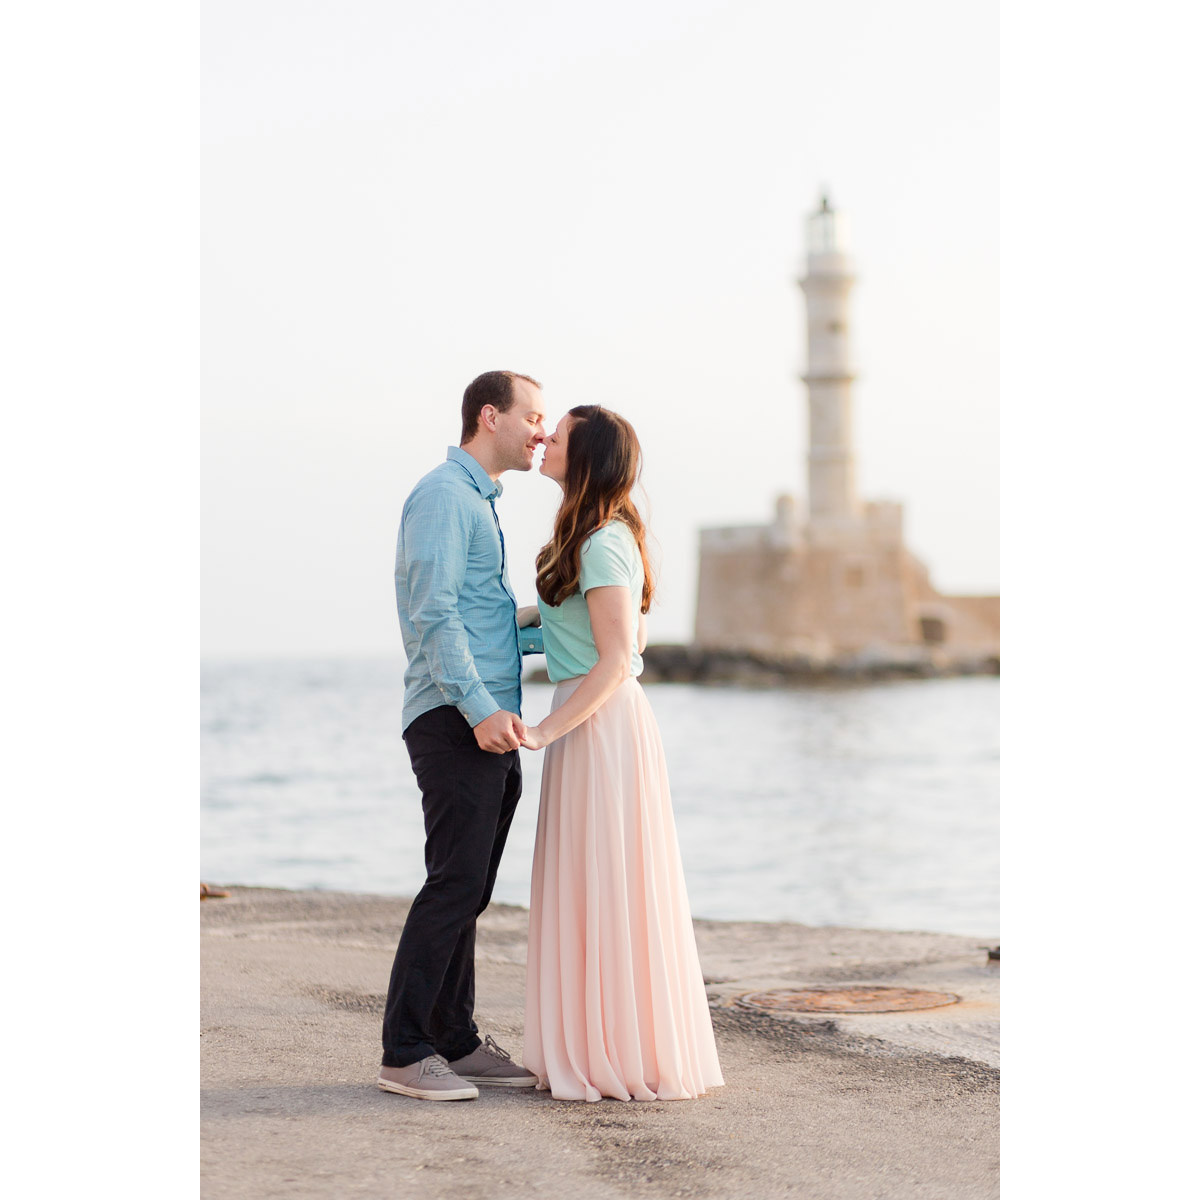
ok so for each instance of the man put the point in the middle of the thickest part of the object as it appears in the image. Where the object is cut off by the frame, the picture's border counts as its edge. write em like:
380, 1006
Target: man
462, 727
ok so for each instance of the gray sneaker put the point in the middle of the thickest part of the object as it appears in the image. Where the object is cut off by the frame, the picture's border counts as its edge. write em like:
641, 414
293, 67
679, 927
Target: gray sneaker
490, 1064
429, 1079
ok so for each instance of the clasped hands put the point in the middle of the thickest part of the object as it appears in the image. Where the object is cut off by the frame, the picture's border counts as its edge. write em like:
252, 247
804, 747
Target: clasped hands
504, 731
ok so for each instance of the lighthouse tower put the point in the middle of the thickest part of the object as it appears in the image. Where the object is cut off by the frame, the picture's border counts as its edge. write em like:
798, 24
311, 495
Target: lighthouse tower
840, 587
832, 498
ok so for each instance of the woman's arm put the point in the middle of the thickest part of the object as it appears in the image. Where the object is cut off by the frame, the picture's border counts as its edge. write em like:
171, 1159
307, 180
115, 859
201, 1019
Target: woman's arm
610, 612
641, 633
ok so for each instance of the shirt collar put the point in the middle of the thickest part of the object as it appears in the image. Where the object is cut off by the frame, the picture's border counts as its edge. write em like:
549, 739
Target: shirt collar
489, 488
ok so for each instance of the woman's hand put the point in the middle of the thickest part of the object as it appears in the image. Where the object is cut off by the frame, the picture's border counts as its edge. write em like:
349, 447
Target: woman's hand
528, 615
534, 738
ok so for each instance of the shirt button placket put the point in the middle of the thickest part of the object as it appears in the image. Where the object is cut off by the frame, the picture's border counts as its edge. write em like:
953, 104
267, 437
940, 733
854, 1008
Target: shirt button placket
503, 563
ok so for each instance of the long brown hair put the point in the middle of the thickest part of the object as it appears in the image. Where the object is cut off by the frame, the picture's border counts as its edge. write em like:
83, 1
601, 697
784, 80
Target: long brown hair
604, 460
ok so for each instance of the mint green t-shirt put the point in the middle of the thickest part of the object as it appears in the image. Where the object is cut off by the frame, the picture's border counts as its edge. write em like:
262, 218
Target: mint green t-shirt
608, 557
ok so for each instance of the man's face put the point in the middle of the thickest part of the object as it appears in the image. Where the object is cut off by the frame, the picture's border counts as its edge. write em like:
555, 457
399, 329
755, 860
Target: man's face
519, 431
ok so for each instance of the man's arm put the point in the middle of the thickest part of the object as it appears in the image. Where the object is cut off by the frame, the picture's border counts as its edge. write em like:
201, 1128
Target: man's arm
436, 538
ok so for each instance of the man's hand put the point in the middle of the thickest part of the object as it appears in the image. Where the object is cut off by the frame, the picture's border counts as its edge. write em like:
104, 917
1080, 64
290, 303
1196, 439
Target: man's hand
500, 732
528, 614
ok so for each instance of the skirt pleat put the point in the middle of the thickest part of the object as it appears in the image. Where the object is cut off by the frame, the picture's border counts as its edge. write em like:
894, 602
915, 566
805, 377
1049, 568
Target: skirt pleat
614, 1002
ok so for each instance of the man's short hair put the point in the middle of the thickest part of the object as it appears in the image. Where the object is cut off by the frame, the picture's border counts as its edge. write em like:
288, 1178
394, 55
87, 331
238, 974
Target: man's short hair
494, 388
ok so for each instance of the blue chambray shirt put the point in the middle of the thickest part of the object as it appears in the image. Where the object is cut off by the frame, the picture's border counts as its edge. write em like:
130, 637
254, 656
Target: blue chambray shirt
457, 610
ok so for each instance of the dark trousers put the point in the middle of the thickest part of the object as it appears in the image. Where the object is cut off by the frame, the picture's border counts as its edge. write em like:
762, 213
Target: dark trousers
469, 797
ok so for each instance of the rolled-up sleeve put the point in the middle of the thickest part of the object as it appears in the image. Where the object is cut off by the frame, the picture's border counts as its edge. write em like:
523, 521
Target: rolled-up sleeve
435, 540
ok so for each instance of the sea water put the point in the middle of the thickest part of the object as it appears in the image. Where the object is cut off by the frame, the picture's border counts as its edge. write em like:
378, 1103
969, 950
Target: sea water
870, 805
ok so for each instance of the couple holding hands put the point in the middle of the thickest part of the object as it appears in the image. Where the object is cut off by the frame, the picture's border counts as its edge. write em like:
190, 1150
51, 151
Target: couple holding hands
614, 1003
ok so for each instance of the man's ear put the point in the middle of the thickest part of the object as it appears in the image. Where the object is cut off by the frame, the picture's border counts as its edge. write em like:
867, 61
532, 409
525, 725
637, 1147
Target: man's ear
487, 417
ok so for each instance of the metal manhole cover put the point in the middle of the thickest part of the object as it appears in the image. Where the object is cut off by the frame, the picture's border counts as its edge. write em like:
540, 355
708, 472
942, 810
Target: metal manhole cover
844, 1000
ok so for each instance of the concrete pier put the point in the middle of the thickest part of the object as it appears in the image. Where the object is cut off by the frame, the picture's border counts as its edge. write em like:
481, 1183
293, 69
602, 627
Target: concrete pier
820, 1106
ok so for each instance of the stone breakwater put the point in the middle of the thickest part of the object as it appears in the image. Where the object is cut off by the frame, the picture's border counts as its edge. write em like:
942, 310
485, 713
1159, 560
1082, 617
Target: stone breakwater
677, 663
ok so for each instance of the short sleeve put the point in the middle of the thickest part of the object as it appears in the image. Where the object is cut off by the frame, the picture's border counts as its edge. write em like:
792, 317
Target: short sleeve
606, 558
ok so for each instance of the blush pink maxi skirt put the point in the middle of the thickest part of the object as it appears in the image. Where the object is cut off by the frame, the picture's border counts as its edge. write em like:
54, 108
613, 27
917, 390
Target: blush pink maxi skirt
614, 997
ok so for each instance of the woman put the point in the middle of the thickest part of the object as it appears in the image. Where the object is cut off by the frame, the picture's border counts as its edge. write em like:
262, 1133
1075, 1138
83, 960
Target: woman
614, 998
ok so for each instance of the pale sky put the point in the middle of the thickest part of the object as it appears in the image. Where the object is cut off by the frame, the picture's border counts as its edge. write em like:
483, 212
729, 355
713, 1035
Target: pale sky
396, 199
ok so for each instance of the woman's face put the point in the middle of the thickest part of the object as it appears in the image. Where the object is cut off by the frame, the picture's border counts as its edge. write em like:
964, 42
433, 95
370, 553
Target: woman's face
554, 453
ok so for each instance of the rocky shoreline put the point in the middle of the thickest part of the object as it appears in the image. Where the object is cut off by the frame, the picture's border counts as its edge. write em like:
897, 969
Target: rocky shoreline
679, 663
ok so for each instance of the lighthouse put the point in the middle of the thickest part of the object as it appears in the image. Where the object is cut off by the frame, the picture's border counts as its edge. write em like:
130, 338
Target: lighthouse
827, 284
838, 589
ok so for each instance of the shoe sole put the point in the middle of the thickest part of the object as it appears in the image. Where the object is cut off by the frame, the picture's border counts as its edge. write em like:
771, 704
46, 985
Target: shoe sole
400, 1090
488, 1081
